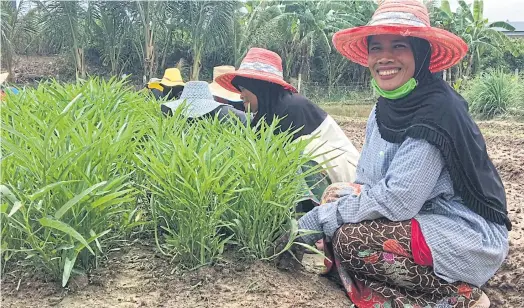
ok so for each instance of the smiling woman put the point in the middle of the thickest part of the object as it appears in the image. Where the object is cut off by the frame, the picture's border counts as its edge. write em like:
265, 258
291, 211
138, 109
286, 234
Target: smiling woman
425, 223
396, 64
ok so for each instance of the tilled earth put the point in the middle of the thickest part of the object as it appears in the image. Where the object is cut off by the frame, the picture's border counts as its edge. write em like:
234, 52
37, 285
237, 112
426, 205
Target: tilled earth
136, 277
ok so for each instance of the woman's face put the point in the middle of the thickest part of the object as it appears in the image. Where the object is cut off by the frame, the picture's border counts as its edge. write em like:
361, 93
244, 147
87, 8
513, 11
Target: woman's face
250, 99
390, 60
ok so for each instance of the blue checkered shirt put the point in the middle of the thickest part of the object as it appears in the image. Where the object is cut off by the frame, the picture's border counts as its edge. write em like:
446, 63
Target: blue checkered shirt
410, 180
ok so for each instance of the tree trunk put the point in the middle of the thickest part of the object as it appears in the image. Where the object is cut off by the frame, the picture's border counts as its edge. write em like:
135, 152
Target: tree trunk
166, 48
80, 63
195, 69
114, 60
149, 51
470, 64
8, 59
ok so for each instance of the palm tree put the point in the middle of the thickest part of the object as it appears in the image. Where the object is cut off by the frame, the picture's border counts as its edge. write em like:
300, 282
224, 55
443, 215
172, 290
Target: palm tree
111, 31
144, 15
15, 27
67, 22
210, 24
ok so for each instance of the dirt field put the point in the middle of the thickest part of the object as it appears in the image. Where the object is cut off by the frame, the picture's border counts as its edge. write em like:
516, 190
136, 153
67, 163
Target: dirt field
136, 277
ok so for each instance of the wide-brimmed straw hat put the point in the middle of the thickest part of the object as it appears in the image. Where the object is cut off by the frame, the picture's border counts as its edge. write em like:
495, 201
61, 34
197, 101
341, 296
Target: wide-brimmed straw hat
405, 18
154, 83
172, 77
196, 98
218, 90
260, 64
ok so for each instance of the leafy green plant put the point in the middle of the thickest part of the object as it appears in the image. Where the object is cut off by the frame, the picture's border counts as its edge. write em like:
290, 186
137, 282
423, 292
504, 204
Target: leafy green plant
493, 93
267, 171
215, 183
66, 172
187, 174
83, 164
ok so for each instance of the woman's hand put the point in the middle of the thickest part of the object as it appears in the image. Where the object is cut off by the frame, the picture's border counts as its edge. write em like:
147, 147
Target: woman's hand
289, 254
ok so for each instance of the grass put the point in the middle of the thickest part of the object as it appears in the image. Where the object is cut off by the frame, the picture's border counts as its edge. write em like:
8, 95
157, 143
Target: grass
84, 165
495, 94
345, 110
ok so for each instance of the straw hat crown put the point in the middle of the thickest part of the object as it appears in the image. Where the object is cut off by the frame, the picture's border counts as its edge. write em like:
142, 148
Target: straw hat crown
172, 77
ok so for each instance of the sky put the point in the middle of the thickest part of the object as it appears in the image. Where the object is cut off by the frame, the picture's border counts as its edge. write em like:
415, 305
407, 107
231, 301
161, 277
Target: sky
494, 10
499, 10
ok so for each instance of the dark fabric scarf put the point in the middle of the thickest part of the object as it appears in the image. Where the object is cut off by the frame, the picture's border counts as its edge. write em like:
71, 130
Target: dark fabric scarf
294, 110
433, 111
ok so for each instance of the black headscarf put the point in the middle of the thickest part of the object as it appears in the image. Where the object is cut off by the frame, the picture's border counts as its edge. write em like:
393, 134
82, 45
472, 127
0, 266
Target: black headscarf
435, 112
294, 110
172, 93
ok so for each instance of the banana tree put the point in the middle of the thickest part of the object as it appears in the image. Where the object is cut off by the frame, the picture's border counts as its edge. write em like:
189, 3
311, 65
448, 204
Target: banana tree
247, 28
469, 23
355, 13
318, 21
480, 34
271, 28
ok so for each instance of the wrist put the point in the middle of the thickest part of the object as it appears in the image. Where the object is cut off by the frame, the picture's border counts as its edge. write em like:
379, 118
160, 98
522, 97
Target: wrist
310, 228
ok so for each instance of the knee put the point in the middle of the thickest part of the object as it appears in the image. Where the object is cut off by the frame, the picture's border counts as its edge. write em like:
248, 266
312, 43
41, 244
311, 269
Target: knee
337, 190
347, 238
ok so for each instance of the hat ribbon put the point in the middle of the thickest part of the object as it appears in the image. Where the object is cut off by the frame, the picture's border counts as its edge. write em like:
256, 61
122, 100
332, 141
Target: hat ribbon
258, 66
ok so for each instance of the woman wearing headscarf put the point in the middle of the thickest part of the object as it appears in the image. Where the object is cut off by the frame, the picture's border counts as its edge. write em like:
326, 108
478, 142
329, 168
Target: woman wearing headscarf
259, 80
197, 102
172, 84
425, 223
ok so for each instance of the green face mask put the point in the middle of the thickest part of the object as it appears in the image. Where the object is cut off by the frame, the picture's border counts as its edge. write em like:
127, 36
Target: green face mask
399, 92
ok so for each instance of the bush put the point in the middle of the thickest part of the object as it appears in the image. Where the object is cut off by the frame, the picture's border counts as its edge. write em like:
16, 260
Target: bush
494, 94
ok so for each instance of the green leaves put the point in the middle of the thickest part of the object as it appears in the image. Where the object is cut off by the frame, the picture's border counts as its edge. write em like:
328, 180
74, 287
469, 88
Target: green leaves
215, 183
67, 171
76, 199
60, 226
495, 93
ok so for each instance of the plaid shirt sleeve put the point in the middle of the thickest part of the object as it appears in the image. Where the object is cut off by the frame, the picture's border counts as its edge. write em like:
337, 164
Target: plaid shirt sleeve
398, 196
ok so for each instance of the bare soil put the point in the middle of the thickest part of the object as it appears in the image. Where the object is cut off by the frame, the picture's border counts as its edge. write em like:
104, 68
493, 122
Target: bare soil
136, 277
32, 69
